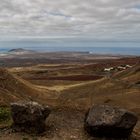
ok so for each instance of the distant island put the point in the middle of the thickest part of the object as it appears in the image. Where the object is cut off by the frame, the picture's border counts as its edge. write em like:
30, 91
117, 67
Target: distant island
21, 51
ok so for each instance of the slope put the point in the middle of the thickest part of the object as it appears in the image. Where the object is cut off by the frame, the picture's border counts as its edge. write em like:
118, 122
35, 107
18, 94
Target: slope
122, 89
131, 75
12, 88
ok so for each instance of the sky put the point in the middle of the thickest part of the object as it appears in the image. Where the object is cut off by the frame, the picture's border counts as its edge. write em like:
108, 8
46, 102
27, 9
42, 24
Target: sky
91, 19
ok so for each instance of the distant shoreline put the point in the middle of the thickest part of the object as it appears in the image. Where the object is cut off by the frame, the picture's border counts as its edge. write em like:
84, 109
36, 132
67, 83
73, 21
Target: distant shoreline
135, 51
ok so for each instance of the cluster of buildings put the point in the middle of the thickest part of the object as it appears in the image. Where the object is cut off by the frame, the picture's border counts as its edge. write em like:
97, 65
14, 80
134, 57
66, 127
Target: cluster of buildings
118, 68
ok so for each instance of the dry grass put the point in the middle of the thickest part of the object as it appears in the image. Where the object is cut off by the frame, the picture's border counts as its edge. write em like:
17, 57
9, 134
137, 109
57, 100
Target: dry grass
70, 100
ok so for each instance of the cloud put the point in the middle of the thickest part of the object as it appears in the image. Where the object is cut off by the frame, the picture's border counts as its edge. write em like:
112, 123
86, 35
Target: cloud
97, 19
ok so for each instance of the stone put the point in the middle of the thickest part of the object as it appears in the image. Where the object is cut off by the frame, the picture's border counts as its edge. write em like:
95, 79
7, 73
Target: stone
29, 116
108, 121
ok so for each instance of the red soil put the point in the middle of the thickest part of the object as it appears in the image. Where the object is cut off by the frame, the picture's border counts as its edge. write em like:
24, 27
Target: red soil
69, 78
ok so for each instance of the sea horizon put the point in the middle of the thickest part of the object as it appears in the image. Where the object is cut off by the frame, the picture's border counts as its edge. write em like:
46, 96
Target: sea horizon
114, 48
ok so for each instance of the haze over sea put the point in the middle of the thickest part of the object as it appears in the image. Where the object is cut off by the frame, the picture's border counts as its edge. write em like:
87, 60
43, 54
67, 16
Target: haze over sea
97, 47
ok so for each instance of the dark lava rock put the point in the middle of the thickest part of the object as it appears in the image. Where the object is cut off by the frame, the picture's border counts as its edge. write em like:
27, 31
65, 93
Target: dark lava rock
29, 117
107, 121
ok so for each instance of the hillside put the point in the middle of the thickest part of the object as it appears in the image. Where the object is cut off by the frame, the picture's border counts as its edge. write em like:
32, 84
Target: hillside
70, 99
12, 88
131, 75
122, 89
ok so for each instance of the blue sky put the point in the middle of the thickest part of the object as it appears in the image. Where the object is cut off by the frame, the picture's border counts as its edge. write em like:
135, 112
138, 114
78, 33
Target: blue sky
77, 19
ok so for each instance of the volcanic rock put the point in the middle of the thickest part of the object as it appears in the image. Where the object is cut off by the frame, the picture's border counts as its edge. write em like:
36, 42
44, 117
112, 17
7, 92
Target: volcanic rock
29, 117
107, 121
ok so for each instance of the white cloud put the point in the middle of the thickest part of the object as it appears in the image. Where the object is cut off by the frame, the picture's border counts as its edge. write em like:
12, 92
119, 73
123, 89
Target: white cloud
97, 19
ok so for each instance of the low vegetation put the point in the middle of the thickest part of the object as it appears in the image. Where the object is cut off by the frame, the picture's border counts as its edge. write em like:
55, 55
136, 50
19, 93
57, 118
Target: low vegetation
5, 117
4, 114
70, 91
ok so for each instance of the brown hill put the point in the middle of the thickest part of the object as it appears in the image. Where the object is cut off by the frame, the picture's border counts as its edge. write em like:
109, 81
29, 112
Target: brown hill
121, 89
131, 75
12, 88
116, 91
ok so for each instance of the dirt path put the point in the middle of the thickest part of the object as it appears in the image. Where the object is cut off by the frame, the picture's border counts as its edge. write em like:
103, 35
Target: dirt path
64, 87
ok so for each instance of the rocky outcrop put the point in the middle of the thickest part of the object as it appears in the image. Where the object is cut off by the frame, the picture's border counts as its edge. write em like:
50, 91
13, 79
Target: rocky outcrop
107, 121
29, 117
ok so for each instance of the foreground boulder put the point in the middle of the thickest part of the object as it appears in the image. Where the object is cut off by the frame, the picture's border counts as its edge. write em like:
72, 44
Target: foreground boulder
107, 121
29, 117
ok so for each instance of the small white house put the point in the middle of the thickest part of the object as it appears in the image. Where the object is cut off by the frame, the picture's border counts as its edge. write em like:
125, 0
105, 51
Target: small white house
108, 69
121, 68
128, 66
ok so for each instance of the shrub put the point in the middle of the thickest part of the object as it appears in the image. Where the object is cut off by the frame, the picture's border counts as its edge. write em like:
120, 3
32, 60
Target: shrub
5, 114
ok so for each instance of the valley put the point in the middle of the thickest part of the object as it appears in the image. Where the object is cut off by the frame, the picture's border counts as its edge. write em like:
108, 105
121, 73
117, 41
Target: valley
70, 83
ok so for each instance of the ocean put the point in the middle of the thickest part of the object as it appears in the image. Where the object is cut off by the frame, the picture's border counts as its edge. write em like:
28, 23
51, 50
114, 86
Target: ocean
117, 48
